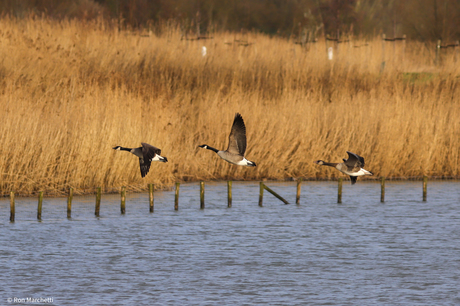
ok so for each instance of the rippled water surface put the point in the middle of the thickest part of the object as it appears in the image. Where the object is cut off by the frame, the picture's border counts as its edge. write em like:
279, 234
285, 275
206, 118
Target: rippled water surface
361, 252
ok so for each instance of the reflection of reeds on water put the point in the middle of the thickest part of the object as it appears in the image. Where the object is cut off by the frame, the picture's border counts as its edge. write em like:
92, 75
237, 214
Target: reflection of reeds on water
70, 91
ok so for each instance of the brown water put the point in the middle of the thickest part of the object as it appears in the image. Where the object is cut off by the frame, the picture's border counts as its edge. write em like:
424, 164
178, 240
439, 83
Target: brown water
361, 252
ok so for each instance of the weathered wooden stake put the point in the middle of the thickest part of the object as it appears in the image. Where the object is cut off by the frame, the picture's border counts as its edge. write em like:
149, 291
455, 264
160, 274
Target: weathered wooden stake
151, 198
382, 188
98, 201
261, 194
297, 198
275, 194
201, 195
339, 197
12, 207
176, 200
425, 182
229, 192
40, 204
69, 203
123, 200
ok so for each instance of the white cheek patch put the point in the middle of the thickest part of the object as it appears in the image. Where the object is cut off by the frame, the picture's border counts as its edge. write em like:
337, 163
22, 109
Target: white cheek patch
157, 158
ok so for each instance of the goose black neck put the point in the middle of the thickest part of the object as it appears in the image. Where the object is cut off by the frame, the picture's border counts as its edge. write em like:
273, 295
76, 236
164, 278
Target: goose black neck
329, 164
210, 148
125, 149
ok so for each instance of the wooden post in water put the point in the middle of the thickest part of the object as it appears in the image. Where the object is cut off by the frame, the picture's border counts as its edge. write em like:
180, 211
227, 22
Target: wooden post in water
275, 194
425, 182
201, 195
229, 192
176, 199
98, 201
40, 204
339, 197
297, 198
12, 207
123, 200
382, 189
151, 198
69, 203
261, 194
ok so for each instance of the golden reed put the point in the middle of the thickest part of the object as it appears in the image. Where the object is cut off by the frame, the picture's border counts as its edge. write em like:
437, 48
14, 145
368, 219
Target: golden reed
72, 90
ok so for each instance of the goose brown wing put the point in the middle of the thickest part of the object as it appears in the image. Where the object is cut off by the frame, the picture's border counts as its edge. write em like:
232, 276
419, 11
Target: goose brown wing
145, 166
354, 160
353, 179
149, 152
237, 138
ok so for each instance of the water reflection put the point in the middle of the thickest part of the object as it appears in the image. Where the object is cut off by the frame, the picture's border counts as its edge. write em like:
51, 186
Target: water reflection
404, 251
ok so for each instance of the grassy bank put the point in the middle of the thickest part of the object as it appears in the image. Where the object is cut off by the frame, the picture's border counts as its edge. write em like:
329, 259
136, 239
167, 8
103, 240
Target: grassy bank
70, 91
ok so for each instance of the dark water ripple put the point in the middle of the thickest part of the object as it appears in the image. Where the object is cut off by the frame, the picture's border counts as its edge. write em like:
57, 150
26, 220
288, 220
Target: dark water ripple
363, 252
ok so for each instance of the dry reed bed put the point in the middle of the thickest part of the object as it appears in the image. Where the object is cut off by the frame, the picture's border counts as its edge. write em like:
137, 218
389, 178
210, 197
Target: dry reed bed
72, 90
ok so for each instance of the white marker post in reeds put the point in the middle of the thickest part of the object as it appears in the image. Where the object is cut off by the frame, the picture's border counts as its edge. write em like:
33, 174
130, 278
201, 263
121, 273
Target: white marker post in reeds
151, 199
438, 50
201, 195
123, 200
12, 207
339, 194
69, 203
40, 205
229, 193
382, 189
176, 198
98, 201
425, 183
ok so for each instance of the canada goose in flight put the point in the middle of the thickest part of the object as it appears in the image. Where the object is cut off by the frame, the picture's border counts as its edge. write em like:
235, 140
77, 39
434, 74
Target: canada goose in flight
236, 145
147, 154
353, 166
